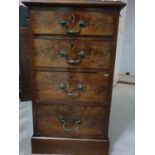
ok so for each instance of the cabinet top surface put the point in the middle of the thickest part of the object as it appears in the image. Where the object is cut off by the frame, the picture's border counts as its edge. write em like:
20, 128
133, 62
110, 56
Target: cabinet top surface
110, 3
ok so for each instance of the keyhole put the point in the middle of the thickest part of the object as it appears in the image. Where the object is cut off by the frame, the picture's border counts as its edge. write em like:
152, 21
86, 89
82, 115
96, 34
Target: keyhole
72, 45
70, 107
72, 18
71, 77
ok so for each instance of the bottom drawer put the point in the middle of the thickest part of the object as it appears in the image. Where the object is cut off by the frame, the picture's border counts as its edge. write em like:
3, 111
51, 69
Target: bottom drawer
71, 121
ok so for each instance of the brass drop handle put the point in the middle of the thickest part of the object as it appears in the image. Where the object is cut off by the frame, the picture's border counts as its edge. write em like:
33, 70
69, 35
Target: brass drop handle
80, 25
75, 93
65, 55
63, 122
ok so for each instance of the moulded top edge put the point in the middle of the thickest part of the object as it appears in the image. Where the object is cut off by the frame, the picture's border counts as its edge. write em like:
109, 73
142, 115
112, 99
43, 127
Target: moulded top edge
92, 3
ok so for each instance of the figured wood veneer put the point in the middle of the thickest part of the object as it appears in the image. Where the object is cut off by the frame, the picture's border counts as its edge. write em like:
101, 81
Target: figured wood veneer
97, 53
73, 48
92, 119
95, 86
97, 23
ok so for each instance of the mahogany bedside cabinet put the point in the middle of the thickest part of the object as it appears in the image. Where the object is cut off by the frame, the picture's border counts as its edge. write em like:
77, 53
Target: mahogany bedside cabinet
72, 46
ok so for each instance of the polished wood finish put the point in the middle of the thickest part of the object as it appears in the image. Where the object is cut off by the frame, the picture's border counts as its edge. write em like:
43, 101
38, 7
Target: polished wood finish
73, 48
24, 65
43, 145
96, 23
82, 3
95, 86
92, 121
97, 53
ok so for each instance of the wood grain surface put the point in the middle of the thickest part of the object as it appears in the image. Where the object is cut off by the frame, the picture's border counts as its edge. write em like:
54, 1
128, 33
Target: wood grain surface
24, 60
92, 121
95, 86
97, 53
71, 101
96, 23
68, 146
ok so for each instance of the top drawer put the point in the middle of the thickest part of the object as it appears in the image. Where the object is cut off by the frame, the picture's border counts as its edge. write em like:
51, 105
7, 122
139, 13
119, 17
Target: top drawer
72, 22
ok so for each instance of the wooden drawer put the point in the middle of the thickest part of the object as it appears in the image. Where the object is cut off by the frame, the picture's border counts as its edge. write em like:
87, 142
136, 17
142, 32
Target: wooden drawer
72, 22
72, 53
84, 87
71, 121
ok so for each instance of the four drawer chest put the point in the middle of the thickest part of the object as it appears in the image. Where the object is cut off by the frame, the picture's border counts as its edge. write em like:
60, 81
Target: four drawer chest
72, 46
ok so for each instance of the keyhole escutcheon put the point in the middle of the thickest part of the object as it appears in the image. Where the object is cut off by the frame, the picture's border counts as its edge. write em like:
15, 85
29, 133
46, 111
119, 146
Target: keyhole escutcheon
72, 18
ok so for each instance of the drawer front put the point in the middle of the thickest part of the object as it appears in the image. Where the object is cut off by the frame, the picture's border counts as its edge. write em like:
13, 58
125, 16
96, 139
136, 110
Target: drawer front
64, 86
72, 53
72, 22
67, 121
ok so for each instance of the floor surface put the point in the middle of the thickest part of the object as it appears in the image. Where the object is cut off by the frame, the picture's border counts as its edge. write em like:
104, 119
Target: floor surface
122, 124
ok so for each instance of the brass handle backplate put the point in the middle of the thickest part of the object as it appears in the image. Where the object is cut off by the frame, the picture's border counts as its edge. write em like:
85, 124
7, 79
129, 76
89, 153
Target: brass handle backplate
80, 25
75, 93
64, 124
65, 55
